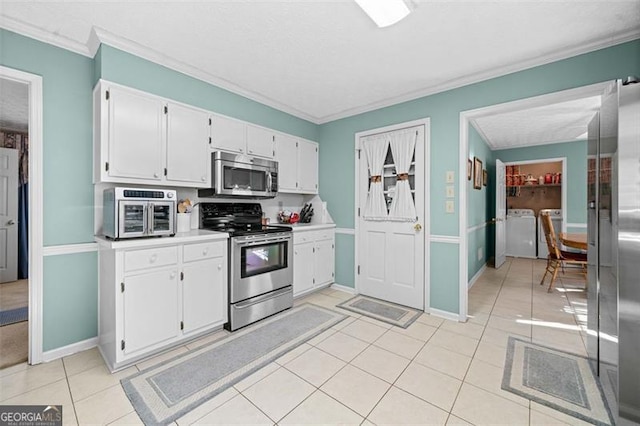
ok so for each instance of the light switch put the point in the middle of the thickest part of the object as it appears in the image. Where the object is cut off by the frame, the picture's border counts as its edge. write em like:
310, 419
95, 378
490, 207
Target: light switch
451, 176
449, 206
450, 191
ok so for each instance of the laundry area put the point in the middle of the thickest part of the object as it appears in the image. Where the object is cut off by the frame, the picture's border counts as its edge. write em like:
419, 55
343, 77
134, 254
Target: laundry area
532, 189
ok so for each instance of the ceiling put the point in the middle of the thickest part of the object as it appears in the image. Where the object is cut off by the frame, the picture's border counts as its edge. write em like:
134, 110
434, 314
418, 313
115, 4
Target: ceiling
555, 122
324, 60
14, 105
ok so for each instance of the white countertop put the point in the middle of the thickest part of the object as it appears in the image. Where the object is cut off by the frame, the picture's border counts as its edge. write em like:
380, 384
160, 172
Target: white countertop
310, 226
193, 236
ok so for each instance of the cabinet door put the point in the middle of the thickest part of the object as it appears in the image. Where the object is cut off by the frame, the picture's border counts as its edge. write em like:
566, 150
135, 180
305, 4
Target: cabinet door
136, 135
260, 141
287, 157
150, 303
228, 134
204, 291
187, 145
302, 267
308, 167
324, 262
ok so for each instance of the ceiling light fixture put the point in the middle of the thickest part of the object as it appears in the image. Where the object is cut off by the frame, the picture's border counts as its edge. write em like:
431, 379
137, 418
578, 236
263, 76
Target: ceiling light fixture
384, 12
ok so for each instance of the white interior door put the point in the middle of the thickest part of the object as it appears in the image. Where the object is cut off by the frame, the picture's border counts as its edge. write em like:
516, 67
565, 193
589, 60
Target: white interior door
391, 260
501, 215
8, 215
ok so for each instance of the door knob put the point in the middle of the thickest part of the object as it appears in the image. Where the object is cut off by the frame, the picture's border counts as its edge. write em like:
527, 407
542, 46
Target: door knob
417, 227
11, 222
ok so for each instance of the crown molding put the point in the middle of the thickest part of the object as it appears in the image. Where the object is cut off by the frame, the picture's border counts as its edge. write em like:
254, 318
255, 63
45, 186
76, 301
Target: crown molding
101, 36
486, 75
23, 28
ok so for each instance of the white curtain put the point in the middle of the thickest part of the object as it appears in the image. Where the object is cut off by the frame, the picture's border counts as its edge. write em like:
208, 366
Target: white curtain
403, 144
375, 148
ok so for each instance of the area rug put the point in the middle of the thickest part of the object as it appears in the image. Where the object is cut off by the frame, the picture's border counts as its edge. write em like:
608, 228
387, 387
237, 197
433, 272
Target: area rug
400, 316
13, 316
165, 392
557, 379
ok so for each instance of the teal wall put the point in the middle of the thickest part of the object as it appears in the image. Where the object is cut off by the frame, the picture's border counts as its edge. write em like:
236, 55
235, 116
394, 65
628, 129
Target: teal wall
337, 144
576, 178
130, 70
480, 206
70, 312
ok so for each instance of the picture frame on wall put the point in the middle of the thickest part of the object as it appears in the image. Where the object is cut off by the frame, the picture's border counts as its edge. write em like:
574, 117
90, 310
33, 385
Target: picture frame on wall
477, 173
485, 178
469, 168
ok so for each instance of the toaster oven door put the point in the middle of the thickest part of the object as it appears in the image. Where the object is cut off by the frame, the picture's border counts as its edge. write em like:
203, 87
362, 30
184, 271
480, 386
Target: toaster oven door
132, 219
161, 220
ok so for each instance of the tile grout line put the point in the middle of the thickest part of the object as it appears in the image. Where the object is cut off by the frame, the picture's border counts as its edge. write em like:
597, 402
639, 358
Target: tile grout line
73, 403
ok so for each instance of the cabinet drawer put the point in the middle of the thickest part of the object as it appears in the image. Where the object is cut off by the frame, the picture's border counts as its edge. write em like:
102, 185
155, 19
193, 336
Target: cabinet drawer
193, 252
150, 258
325, 234
303, 237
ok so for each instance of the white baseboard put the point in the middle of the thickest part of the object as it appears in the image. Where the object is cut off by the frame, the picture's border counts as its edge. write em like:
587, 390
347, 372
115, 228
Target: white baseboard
70, 349
444, 314
476, 276
344, 288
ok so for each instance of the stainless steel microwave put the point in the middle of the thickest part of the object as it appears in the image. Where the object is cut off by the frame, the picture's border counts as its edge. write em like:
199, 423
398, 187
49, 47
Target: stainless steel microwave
133, 213
241, 176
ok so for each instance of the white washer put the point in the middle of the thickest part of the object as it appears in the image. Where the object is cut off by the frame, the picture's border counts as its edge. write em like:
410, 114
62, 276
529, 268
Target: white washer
556, 221
521, 233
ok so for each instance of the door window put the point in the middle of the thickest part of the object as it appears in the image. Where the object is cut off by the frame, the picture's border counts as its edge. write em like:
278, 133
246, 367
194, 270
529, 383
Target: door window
245, 179
260, 259
133, 218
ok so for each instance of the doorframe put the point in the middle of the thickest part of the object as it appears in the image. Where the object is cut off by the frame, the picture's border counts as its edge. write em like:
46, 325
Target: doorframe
463, 151
35, 219
426, 122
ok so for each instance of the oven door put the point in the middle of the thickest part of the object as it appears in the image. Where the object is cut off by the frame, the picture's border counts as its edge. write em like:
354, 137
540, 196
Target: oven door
260, 264
132, 219
161, 220
242, 179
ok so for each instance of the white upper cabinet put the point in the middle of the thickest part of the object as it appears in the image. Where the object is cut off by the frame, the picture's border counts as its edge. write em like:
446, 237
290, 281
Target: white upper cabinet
287, 156
135, 135
142, 138
229, 134
187, 145
297, 164
260, 141
308, 166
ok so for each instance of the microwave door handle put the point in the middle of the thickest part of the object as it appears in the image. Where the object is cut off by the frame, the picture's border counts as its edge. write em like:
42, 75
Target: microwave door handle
269, 182
150, 212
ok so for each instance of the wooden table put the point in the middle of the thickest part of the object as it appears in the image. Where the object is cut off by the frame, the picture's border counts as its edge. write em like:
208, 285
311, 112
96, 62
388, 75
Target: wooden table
577, 241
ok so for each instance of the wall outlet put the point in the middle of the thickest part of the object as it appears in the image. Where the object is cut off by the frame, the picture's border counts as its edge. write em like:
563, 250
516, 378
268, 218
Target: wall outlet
451, 176
451, 191
480, 253
449, 206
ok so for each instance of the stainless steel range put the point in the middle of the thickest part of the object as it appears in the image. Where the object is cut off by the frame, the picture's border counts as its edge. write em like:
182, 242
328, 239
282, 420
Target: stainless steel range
260, 261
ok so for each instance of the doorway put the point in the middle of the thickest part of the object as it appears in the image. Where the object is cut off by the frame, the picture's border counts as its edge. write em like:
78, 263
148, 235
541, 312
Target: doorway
391, 229
21, 233
14, 208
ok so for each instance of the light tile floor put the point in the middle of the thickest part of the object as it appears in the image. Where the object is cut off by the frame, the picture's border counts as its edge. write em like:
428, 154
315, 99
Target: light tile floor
359, 372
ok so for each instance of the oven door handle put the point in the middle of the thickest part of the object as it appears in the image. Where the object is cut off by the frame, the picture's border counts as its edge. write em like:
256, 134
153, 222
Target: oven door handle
264, 298
261, 242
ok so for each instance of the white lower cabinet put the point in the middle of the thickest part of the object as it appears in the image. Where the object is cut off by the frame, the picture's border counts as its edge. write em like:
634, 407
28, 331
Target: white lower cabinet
313, 259
157, 297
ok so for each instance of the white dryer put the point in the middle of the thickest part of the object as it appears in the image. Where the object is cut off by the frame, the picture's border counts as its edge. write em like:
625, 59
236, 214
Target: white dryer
521, 233
556, 221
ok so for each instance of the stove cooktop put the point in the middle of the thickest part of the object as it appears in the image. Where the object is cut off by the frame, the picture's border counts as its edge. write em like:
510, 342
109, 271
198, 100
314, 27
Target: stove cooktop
236, 218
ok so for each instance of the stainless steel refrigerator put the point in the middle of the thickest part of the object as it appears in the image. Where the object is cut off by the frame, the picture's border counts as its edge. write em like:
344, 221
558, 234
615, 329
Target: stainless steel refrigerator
613, 307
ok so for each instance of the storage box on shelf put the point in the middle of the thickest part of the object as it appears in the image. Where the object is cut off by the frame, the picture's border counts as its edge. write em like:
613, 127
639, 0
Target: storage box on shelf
229, 134
141, 138
154, 297
313, 258
297, 164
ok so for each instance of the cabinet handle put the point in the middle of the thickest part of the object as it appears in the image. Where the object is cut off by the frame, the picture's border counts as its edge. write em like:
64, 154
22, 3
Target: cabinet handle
153, 258
203, 178
241, 150
155, 175
220, 267
173, 275
250, 151
205, 251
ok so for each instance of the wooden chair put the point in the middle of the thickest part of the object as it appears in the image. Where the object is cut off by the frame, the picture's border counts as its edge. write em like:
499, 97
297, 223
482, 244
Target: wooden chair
557, 258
